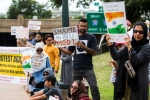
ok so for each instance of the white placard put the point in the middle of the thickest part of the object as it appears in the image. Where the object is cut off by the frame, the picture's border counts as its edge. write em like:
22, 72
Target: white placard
52, 98
34, 25
66, 36
26, 62
14, 50
12, 71
14, 29
13, 79
22, 33
116, 20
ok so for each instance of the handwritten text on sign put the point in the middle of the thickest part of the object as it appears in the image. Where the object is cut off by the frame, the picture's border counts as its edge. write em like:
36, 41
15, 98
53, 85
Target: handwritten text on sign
34, 25
14, 29
116, 20
22, 33
66, 36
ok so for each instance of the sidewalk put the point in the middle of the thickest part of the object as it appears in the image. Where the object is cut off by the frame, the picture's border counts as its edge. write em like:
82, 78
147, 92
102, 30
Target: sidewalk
13, 92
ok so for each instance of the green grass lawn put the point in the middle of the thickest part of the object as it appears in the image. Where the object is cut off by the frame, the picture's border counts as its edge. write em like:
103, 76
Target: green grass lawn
102, 70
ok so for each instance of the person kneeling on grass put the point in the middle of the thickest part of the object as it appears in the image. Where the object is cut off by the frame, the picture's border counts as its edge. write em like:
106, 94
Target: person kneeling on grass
39, 85
52, 90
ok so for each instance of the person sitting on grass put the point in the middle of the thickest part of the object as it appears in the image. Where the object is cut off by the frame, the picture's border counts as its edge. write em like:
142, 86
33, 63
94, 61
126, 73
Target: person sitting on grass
35, 83
52, 90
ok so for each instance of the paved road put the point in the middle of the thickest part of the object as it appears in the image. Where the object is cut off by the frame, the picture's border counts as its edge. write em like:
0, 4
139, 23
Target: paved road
12, 92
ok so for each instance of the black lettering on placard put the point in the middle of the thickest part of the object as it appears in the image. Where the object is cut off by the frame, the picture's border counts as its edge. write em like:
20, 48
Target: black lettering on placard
19, 66
3, 65
11, 71
17, 59
4, 70
19, 72
13, 66
6, 58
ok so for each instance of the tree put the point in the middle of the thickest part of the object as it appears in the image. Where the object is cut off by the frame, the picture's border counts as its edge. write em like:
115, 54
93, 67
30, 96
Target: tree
136, 10
28, 8
2, 17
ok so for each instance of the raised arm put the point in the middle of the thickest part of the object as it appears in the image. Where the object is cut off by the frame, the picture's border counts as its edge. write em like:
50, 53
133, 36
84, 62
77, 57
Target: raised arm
21, 44
65, 51
115, 54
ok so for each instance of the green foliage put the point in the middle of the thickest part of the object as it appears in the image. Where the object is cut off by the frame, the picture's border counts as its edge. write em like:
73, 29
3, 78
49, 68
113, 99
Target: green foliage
2, 17
28, 8
136, 10
78, 17
58, 3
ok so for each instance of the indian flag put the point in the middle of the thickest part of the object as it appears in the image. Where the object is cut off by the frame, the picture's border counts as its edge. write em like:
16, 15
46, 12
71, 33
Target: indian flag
114, 20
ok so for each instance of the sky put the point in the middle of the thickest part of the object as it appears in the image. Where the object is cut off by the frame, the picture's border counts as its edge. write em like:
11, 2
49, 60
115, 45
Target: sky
6, 3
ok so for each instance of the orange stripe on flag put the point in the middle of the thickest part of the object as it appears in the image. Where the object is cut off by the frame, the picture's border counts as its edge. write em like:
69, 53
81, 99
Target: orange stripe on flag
113, 15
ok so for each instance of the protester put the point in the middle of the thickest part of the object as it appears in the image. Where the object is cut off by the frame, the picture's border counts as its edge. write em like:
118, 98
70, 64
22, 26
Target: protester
114, 64
53, 53
138, 52
38, 84
66, 71
39, 61
52, 90
82, 63
31, 38
38, 38
79, 91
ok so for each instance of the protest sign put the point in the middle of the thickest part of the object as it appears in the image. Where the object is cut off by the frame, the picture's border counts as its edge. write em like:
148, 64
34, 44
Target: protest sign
14, 29
11, 70
22, 33
14, 50
26, 62
116, 20
66, 36
34, 25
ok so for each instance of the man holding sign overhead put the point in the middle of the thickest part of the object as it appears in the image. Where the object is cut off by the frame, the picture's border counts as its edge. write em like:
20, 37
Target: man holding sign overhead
82, 63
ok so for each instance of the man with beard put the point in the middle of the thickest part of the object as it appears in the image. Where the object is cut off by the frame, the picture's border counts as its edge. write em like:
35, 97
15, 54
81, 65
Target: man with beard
38, 38
82, 63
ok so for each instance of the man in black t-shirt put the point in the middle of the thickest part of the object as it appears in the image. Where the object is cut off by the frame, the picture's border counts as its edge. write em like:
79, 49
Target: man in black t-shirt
52, 90
82, 63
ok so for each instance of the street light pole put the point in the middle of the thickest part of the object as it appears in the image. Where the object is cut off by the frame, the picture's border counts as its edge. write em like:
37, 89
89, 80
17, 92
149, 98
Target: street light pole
65, 13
